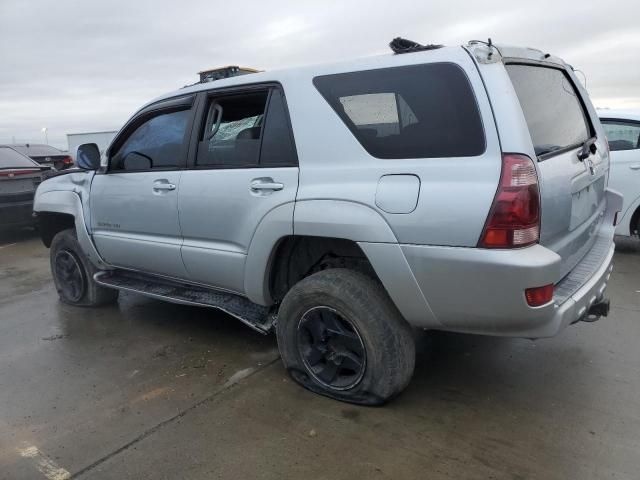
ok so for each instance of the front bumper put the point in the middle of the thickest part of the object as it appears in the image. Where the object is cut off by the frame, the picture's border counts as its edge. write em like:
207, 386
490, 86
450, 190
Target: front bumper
482, 291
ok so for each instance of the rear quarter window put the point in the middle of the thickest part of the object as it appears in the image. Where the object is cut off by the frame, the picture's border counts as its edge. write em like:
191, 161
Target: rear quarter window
418, 111
551, 106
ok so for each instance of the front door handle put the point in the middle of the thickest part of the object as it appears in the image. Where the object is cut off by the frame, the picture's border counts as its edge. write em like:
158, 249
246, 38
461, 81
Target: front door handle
635, 166
266, 184
160, 186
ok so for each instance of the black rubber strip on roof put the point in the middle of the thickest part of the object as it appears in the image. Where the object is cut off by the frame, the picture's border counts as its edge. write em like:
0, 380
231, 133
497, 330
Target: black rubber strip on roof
402, 45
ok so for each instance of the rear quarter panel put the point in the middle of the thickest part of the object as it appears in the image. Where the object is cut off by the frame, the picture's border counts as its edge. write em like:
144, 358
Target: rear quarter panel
455, 194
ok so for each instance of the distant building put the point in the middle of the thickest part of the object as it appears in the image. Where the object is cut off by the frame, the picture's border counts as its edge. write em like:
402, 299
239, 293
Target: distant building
102, 139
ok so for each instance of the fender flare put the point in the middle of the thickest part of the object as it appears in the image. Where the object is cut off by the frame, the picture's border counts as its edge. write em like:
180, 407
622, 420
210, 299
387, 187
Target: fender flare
318, 218
69, 202
274, 226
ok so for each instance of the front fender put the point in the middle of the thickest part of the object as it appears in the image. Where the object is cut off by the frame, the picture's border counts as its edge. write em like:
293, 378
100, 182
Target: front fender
69, 202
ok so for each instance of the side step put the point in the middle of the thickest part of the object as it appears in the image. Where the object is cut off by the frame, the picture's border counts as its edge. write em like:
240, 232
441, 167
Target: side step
251, 314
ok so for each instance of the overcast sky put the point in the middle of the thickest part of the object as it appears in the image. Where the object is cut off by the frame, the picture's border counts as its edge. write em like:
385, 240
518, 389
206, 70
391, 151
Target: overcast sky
86, 65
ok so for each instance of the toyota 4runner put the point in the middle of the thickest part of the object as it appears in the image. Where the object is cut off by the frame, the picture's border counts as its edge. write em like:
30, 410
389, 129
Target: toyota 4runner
454, 188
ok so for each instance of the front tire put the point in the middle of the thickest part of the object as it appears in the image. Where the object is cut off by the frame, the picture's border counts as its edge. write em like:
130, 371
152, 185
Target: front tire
73, 273
340, 335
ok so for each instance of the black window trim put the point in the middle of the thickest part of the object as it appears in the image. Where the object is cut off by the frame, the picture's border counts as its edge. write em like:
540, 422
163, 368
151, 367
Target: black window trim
583, 106
171, 105
200, 120
353, 129
627, 121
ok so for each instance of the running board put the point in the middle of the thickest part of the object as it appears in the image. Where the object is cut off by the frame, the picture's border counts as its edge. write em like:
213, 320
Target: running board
249, 313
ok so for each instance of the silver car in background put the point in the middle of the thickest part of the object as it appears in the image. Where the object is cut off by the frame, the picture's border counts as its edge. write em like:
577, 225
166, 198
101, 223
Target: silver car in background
450, 188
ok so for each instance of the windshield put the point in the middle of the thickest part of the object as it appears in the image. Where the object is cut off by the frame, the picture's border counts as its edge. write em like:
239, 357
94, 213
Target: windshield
9, 158
551, 107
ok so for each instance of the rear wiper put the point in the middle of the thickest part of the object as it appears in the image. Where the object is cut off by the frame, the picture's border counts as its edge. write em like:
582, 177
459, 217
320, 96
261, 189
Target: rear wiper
588, 147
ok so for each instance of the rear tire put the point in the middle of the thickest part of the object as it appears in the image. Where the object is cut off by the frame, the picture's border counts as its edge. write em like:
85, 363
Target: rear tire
340, 335
73, 273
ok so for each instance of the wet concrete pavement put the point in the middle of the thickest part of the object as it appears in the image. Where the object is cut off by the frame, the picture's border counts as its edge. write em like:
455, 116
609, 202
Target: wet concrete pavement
146, 389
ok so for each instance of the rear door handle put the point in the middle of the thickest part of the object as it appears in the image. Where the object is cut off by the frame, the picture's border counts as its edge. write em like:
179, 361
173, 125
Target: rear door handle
160, 185
266, 184
635, 166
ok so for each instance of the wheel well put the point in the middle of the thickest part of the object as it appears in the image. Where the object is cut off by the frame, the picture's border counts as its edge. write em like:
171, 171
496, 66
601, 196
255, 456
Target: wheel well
634, 226
297, 257
50, 223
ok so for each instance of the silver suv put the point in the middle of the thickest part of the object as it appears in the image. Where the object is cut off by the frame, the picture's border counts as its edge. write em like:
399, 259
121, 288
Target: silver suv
455, 188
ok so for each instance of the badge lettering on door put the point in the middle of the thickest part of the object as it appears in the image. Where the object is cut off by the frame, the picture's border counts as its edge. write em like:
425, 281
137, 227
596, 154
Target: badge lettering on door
108, 225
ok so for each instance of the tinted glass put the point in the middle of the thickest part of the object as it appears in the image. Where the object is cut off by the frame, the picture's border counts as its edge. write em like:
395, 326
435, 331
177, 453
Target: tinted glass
418, 111
9, 158
159, 140
277, 145
38, 150
231, 137
551, 107
622, 135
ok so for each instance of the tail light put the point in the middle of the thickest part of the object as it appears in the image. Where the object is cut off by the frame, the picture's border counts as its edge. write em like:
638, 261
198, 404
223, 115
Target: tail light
15, 173
67, 160
514, 218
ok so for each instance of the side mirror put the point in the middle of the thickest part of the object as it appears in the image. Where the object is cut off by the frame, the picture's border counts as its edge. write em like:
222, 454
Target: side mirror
88, 156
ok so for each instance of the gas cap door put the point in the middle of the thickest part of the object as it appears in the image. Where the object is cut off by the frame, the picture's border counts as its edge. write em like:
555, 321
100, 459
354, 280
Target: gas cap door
398, 193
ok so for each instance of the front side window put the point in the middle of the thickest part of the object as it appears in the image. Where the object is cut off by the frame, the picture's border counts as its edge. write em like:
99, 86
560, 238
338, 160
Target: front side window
418, 111
232, 131
158, 143
622, 135
551, 107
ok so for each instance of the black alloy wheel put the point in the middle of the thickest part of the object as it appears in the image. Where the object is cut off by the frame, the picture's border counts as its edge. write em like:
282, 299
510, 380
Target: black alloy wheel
331, 348
70, 275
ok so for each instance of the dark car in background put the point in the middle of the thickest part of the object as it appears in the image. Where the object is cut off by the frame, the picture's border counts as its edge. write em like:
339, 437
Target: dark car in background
45, 155
19, 178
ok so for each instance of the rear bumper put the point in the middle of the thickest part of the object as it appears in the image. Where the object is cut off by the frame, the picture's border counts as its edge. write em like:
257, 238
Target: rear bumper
16, 214
482, 291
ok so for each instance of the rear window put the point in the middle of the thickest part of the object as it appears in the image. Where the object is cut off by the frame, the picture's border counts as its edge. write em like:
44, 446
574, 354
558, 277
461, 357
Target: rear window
38, 150
551, 107
9, 158
420, 111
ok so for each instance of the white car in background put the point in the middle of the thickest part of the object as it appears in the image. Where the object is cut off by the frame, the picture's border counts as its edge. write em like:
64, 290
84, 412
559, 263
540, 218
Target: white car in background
623, 132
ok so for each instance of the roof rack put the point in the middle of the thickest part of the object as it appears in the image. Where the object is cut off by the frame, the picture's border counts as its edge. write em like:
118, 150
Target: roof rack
224, 72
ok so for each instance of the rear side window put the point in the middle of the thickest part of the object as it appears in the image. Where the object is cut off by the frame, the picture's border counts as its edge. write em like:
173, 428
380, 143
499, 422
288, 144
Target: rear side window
246, 130
418, 111
551, 107
622, 135
9, 158
233, 131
